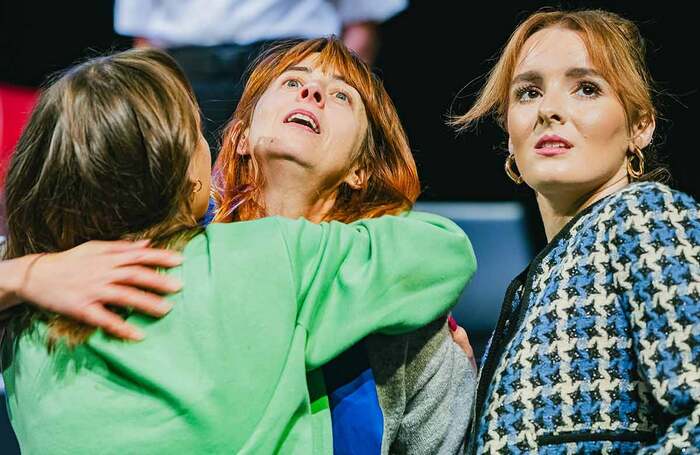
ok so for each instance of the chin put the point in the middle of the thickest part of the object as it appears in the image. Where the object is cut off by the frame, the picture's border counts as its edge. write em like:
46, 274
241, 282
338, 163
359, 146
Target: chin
281, 147
557, 184
551, 173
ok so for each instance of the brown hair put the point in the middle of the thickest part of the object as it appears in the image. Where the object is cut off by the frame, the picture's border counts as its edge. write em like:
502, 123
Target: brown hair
105, 156
392, 185
615, 47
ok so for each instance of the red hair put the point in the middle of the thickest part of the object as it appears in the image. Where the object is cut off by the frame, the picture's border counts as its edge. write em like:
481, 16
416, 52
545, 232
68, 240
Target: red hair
392, 184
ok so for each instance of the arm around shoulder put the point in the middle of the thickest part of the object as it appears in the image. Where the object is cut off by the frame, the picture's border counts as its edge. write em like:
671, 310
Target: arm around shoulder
391, 274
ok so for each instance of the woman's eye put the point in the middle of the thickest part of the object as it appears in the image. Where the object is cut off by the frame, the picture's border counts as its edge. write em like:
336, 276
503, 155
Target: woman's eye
292, 83
526, 93
342, 96
588, 90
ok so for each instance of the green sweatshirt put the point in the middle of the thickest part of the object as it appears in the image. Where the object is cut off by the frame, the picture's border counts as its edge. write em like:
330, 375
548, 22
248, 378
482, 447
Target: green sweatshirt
263, 302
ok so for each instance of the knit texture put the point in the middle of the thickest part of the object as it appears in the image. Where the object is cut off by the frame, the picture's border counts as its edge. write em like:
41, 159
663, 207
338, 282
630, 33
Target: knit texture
598, 346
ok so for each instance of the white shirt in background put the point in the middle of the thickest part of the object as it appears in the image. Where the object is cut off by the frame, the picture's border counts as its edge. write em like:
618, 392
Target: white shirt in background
171, 23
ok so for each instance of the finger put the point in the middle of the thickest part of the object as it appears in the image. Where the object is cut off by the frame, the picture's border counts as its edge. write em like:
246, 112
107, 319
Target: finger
144, 277
459, 336
153, 257
98, 316
451, 323
141, 301
470, 352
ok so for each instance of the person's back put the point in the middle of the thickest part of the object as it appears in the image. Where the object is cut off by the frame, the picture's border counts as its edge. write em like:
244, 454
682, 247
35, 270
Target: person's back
201, 381
225, 371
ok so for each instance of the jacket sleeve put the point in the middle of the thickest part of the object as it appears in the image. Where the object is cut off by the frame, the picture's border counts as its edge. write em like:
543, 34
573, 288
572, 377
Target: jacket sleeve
440, 383
391, 274
663, 248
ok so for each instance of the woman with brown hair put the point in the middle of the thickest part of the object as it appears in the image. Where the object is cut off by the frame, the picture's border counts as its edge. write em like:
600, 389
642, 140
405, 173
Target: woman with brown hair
597, 349
113, 150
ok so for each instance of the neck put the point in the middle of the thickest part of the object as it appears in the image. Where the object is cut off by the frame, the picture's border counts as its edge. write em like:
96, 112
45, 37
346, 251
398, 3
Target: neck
291, 195
559, 206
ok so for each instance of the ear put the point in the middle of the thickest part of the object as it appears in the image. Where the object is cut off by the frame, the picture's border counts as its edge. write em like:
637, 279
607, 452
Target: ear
356, 178
642, 133
243, 147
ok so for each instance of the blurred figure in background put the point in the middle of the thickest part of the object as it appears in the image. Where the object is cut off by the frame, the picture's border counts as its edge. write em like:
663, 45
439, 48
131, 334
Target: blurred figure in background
215, 40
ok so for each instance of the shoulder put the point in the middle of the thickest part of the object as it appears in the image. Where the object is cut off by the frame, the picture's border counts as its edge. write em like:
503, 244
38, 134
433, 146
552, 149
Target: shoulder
654, 197
651, 210
222, 241
418, 346
653, 222
391, 353
256, 231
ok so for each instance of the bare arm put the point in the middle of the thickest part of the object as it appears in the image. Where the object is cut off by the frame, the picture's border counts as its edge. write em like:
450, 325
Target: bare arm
80, 282
12, 273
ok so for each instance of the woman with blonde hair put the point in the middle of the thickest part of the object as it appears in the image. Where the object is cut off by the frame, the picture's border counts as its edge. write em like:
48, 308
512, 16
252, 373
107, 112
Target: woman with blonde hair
114, 150
597, 349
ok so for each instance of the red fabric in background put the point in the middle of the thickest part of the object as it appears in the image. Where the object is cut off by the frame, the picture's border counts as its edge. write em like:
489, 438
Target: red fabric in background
16, 105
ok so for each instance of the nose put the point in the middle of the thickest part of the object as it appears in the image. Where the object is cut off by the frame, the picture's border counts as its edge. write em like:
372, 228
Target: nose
551, 110
312, 92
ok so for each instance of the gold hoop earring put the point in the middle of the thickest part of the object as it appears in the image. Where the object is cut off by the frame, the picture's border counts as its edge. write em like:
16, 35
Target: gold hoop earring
635, 174
514, 176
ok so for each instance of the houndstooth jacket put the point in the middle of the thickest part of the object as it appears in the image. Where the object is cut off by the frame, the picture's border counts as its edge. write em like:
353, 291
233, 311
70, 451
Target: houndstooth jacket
597, 349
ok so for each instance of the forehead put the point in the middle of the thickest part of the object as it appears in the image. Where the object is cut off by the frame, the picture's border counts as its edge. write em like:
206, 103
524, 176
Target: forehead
327, 67
553, 49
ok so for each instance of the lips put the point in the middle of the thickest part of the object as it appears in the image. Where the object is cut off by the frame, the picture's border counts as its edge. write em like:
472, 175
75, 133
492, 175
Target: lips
304, 118
551, 145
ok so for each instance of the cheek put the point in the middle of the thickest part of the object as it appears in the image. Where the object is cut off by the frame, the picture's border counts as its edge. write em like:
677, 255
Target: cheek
606, 124
259, 122
519, 125
266, 112
350, 133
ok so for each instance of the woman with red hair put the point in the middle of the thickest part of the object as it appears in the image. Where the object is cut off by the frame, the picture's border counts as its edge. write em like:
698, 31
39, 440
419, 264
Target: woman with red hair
388, 393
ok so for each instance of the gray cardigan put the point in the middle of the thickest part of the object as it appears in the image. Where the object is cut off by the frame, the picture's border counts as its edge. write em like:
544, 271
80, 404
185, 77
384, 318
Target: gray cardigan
425, 385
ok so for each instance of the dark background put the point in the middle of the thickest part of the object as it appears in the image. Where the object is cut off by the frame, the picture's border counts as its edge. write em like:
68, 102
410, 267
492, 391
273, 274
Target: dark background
429, 55
432, 59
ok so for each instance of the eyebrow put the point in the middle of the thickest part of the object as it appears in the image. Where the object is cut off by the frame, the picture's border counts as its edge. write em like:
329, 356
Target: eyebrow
528, 76
572, 73
575, 73
306, 69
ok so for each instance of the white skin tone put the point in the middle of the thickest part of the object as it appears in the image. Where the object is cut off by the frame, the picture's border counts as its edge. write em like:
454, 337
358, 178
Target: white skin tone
303, 165
557, 91
303, 169
200, 175
81, 281
362, 38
